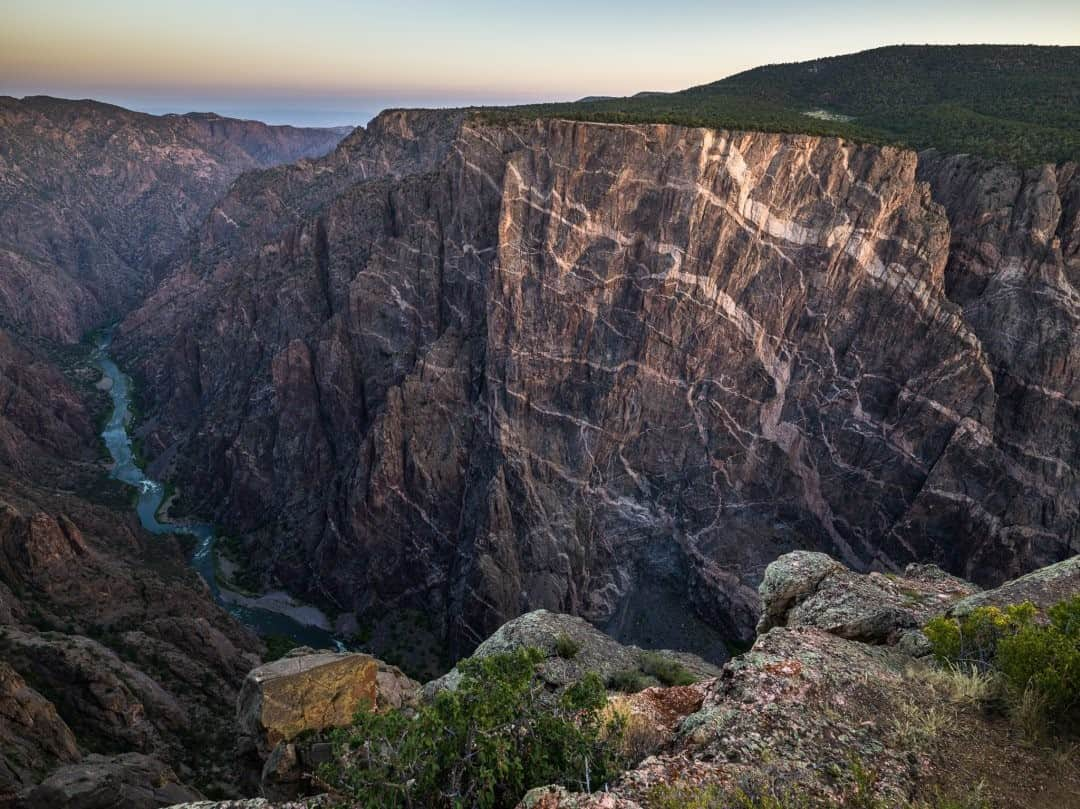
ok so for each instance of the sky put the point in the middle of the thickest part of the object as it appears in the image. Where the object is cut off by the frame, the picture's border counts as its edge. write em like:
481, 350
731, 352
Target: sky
338, 62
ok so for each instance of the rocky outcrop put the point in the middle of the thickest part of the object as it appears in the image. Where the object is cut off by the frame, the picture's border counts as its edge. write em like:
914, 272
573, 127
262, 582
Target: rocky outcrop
92, 196
315, 691
812, 715
615, 370
33, 737
788, 718
117, 635
593, 651
1044, 588
102, 695
804, 588
131, 781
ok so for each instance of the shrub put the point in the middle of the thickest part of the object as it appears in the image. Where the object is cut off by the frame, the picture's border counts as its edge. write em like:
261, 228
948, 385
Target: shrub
666, 670
1046, 661
566, 647
277, 646
972, 639
1039, 663
629, 681
499, 734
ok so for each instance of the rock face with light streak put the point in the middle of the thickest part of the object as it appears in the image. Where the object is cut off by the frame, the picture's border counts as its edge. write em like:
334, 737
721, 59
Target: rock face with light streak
616, 370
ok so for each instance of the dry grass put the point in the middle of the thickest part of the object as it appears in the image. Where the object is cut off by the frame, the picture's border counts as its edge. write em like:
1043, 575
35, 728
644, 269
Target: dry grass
960, 685
917, 727
638, 737
1028, 715
918, 724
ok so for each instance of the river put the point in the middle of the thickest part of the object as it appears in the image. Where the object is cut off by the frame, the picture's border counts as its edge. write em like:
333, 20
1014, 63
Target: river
151, 492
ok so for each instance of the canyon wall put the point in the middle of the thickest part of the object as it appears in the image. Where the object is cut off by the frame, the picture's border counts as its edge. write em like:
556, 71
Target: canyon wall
616, 370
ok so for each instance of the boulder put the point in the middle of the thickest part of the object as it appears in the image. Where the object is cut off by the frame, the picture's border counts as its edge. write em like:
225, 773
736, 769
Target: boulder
131, 781
596, 652
283, 774
788, 580
811, 589
298, 693
1043, 588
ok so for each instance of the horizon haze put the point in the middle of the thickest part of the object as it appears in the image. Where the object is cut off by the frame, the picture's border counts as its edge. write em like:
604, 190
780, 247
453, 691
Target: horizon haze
335, 63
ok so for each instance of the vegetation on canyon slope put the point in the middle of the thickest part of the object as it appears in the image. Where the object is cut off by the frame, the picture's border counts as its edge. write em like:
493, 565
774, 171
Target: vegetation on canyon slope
1036, 664
1018, 103
483, 744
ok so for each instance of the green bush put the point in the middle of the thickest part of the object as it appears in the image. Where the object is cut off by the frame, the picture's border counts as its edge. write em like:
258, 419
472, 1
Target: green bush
1046, 659
499, 734
973, 639
666, 670
566, 647
630, 681
1039, 662
277, 646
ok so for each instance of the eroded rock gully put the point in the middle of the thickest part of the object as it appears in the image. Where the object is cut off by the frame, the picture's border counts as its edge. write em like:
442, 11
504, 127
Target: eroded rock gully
616, 370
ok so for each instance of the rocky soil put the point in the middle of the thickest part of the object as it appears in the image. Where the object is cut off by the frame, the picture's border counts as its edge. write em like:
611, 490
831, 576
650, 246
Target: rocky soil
615, 370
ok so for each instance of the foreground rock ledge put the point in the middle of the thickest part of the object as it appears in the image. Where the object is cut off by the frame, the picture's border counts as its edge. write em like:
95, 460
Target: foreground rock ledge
834, 677
314, 691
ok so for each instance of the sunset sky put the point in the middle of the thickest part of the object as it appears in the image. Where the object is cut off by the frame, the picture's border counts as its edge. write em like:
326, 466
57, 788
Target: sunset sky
339, 62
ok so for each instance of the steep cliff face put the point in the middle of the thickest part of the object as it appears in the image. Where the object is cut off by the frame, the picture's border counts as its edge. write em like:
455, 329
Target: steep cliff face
92, 196
612, 370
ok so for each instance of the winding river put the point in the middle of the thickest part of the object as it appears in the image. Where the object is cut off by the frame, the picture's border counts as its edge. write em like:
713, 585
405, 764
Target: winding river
151, 492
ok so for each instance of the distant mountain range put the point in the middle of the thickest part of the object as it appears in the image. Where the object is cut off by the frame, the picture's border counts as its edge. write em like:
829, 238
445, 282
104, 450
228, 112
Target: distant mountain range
92, 196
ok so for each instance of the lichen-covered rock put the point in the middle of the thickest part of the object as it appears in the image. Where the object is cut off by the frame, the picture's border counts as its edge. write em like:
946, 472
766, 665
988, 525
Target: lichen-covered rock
811, 589
813, 700
287, 697
555, 797
651, 717
795, 710
914, 643
130, 781
788, 580
1043, 588
596, 652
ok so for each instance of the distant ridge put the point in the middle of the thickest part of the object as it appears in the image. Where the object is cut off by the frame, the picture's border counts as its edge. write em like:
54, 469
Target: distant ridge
1020, 103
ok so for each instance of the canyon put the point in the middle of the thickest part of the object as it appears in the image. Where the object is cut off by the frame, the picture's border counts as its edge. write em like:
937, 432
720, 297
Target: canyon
469, 380
111, 645
615, 370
